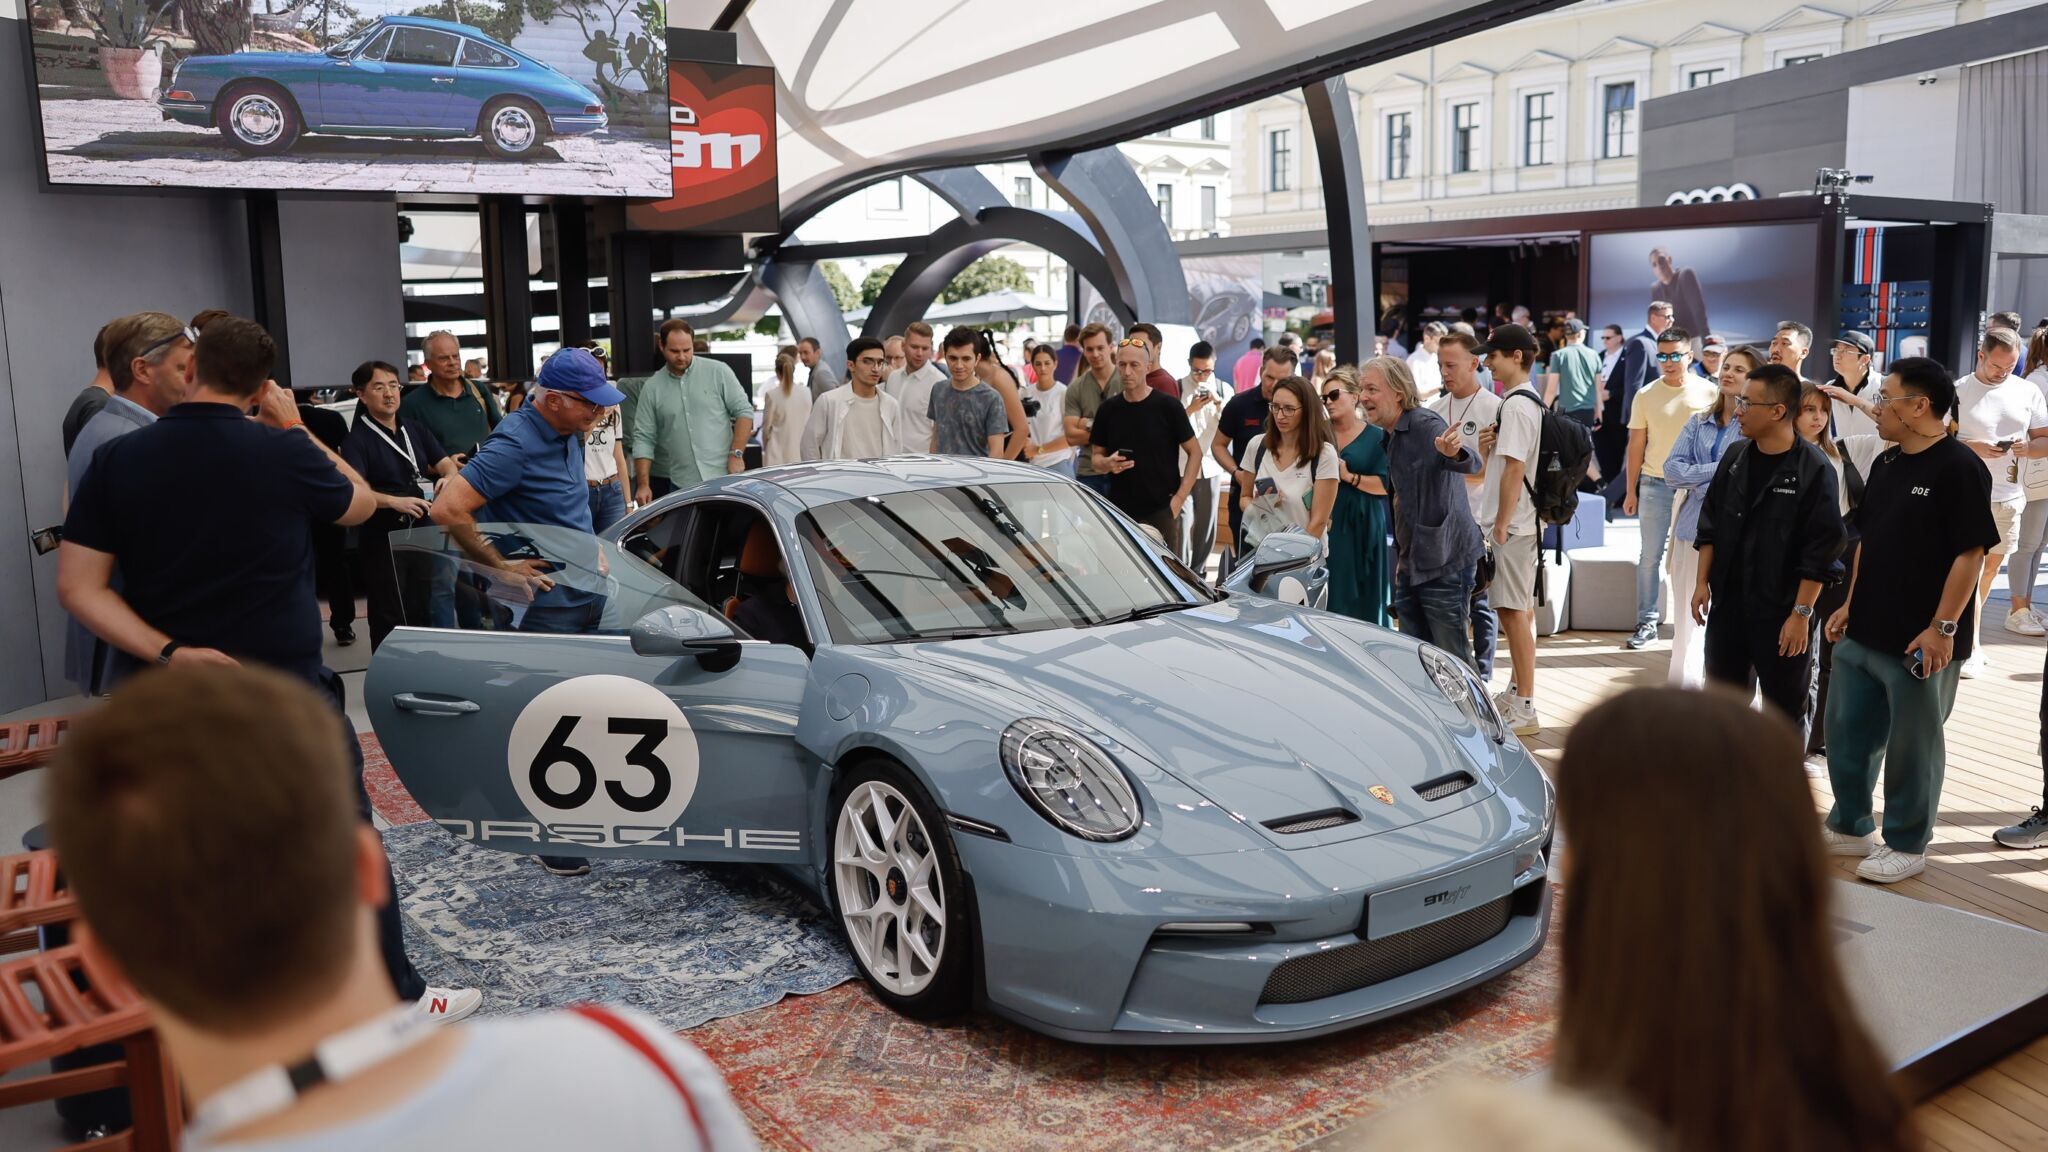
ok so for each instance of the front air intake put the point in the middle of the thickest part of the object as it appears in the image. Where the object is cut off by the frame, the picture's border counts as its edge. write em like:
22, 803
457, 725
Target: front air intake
1444, 786
1310, 821
1348, 968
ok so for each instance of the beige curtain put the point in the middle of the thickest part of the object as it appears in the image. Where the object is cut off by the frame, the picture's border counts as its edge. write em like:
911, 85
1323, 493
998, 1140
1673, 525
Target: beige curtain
1998, 161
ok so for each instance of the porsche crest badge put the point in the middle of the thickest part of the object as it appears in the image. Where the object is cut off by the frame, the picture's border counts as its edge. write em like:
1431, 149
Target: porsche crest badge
1381, 793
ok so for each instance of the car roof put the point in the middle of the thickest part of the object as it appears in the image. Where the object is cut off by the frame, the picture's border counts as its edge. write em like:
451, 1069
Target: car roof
443, 25
830, 481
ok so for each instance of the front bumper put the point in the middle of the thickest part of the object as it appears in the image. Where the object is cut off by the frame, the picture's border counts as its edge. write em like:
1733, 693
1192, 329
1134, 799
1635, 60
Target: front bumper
193, 112
1071, 946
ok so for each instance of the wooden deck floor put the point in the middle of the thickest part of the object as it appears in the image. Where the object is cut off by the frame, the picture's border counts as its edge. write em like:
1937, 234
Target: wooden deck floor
1994, 776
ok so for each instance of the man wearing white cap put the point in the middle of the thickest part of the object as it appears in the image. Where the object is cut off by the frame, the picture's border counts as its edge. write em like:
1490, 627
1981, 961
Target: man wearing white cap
1709, 363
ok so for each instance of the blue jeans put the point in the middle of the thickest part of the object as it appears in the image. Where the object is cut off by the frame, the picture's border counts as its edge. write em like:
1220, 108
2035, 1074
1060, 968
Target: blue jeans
1653, 510
607, 505
1097, 482
1439, 611
1485, 629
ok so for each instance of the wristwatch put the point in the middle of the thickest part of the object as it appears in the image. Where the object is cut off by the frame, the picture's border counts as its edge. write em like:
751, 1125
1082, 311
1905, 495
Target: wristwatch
164, 657
1803, 611
1945, 627
737, 454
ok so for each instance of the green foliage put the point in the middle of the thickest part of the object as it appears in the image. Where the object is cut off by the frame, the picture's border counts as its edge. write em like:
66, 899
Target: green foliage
872, 284
842, 287
768, 326
128, 23
986, 275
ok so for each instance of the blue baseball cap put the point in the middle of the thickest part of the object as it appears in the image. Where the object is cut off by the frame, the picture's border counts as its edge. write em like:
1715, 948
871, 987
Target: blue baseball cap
576, 370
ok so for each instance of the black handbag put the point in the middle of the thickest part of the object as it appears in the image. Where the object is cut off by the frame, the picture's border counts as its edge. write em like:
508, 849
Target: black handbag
1482, 572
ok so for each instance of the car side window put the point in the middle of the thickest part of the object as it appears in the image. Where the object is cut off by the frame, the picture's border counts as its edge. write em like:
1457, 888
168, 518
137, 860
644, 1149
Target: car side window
484, 581
422, 46
476, 54
376, 48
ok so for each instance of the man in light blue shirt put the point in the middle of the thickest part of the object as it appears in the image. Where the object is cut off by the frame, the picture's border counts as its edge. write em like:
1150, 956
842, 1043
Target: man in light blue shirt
149, 360
691, 420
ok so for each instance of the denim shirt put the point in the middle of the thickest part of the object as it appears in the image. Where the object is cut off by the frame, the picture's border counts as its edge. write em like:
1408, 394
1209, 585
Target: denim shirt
1690, 467
1434, 533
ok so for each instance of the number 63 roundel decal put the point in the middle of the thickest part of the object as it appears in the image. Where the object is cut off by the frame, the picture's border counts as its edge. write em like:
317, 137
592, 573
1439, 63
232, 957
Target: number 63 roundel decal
604, 751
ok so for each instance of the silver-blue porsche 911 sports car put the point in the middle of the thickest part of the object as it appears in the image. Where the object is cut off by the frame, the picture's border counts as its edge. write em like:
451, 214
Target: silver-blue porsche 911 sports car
1027, 758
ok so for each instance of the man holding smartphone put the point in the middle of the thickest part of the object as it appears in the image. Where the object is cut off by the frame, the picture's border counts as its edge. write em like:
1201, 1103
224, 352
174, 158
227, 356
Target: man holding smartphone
1202, 394
1926, 525
1136, 435
2002, 417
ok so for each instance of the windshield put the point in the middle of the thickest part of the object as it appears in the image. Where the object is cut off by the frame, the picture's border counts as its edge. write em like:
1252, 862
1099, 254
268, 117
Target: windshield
591, 587
985, 559
348, 47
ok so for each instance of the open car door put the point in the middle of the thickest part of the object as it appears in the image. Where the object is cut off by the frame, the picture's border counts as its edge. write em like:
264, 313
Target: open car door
605, 713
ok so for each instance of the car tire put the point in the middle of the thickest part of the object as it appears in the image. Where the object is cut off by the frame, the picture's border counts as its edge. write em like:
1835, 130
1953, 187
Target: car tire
893, 893
258, 119
506, 123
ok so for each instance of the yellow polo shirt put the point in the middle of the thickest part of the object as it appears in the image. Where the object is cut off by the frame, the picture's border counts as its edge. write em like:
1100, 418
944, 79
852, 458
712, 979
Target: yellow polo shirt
1662, 409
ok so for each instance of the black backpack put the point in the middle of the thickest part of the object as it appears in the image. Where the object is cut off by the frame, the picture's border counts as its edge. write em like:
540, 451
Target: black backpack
1564, 452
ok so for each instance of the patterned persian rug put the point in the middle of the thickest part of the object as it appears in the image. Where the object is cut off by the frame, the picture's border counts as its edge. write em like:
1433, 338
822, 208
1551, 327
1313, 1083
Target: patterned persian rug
703, 947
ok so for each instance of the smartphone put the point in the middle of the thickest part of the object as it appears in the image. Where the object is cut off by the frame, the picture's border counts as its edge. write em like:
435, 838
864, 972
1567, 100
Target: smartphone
46, 541
2006, 445
1125, 453
1265, 486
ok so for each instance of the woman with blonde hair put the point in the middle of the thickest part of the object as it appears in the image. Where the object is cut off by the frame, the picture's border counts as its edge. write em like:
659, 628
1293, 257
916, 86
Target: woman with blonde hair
785, 409
1319, 371
1361, 571
1708, 998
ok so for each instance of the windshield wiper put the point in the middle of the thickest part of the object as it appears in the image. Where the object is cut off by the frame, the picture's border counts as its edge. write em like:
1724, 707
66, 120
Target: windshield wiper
964, 633
1144, 613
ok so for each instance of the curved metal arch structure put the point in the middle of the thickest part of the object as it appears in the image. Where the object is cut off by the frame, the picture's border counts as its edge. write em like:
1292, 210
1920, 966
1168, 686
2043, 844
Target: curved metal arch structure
919, 280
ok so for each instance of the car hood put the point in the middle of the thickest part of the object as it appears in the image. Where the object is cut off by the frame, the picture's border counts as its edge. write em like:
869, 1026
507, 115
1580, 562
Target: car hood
1271, 711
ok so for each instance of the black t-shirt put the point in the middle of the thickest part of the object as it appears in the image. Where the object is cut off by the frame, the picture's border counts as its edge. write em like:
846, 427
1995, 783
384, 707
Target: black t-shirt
1763, 468
1919, 513
209, 515
83, 407
369, 449
1150, 432
1243, 417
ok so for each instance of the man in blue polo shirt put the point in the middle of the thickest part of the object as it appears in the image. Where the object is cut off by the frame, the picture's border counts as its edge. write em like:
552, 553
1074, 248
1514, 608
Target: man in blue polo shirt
530, 472
201, 585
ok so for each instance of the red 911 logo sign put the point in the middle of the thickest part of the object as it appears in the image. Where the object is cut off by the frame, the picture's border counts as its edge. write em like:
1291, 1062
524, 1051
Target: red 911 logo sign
721, 125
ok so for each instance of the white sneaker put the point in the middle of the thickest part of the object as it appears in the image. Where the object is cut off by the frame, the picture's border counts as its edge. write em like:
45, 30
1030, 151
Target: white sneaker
1973, 667
1839, 844
1817, 766
447, 1005
1520, 718
1885, 866
2025, 622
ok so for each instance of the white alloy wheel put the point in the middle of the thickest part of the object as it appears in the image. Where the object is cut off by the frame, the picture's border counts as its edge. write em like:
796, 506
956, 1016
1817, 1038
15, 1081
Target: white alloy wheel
257, 119
513, 129
886, 874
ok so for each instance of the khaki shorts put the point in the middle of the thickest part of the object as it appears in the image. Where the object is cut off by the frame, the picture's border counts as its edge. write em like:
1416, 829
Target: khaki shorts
1514, 574
2006, 514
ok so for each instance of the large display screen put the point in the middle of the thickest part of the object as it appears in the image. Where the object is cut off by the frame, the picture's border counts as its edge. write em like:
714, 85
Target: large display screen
722, 144
1734, 281
480, 96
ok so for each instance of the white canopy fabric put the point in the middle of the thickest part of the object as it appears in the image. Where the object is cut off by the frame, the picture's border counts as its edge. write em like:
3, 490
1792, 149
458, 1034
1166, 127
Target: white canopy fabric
867, 85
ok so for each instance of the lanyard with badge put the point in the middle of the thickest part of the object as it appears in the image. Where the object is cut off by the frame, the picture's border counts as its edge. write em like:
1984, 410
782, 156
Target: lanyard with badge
270, 1090
419, 478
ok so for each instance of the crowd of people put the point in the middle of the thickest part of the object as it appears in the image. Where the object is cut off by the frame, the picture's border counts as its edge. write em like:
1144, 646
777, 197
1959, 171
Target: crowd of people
1830, 546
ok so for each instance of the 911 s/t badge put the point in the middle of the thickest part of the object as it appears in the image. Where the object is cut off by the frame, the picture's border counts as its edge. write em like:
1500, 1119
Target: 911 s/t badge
1381, 793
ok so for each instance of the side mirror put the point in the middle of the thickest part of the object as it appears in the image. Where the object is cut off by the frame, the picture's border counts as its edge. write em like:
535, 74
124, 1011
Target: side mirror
1279, 551
1282, 555
679, 630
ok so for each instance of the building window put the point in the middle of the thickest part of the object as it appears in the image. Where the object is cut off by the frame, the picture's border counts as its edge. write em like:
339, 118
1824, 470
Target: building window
1539, 129
1799, 58
1701, 77
887, 196
1206, 129
1020, 191
1279, 159
1162, 195
1464, 137
1208, 207
1400, 142
1618, 127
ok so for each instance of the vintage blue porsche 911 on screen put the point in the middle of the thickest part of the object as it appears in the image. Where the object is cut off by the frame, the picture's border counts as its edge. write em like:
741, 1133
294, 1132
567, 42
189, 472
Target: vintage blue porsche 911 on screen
403, 76
1027, 759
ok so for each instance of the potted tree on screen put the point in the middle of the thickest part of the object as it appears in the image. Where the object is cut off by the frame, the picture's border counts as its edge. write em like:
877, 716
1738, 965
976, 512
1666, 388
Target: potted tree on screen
131, 53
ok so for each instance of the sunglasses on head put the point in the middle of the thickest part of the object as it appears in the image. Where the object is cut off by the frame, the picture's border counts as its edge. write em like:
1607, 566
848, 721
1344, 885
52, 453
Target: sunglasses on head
190, 334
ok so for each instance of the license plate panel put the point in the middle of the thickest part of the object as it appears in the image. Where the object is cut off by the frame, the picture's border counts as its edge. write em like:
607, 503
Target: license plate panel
1427, 901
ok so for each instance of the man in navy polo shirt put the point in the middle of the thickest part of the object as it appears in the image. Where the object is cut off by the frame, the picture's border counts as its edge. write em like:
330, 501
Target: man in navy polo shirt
530, 472
209, 515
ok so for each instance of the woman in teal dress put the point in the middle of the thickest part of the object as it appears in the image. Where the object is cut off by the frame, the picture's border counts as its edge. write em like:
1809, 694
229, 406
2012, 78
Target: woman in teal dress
1361, 565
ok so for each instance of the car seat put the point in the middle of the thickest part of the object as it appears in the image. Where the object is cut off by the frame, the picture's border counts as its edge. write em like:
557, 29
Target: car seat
760, 565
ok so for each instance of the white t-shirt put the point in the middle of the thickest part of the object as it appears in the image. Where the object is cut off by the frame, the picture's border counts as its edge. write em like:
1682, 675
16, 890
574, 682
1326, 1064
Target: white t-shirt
1050, 423
2007, 411
1296, 484
913, 391
540, 1084
1429, 379
862, 437
1849, 419
1204, 422
1521, 432
598, 461
1469, 416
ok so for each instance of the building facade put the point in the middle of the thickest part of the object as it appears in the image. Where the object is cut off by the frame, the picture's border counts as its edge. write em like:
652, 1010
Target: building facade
1543, 115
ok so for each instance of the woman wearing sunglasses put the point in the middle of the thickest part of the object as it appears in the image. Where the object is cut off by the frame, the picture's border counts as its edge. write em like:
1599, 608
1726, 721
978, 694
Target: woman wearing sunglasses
1361, 570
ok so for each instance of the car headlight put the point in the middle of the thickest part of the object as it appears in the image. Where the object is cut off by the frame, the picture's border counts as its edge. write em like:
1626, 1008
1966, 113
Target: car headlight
1461, 688
1070, 781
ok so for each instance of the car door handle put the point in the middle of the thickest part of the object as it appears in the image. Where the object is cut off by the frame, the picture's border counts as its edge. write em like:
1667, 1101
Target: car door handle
444, 79
408, 702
